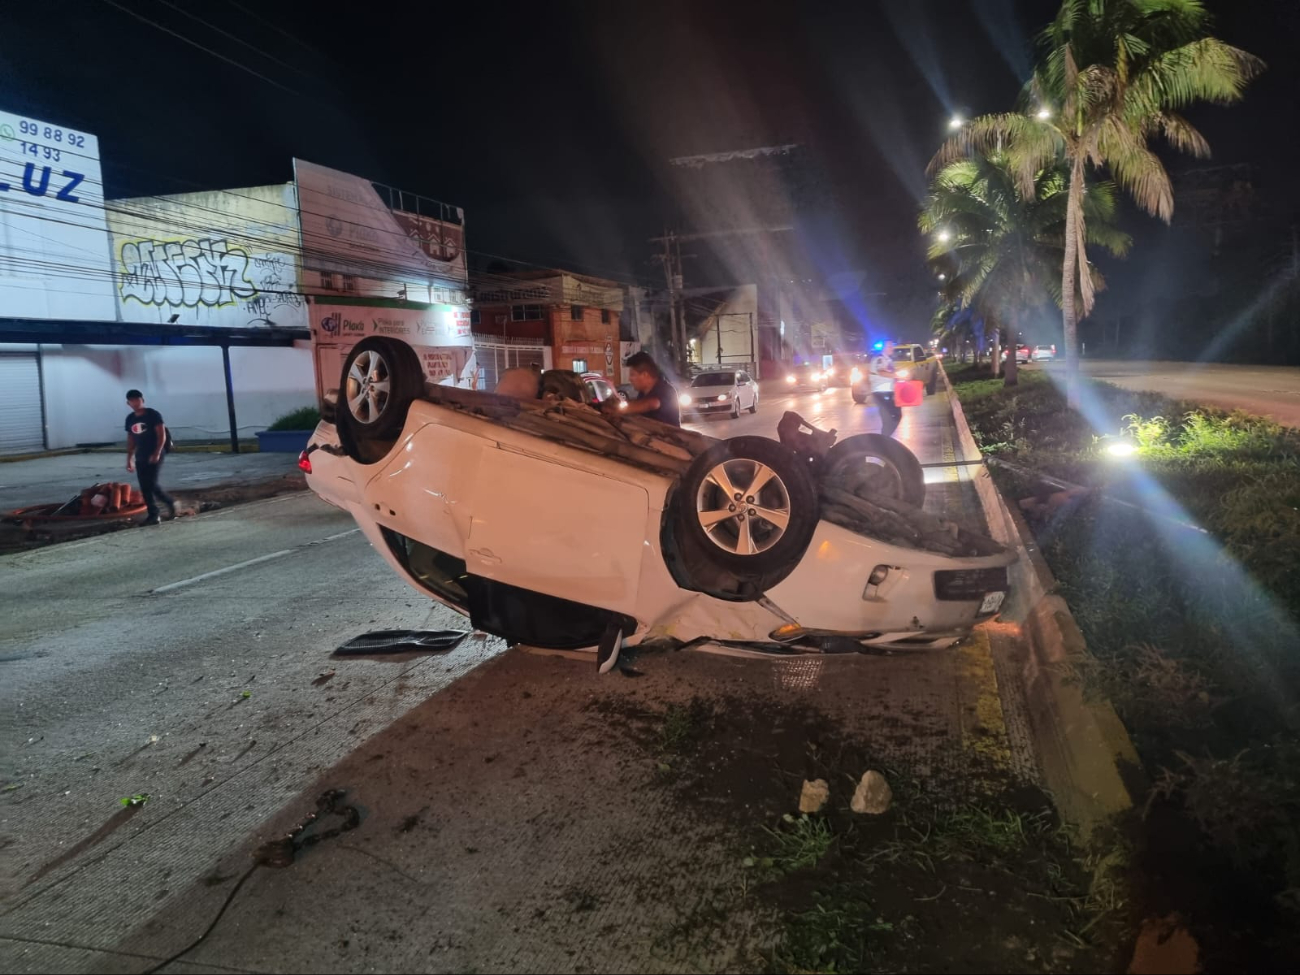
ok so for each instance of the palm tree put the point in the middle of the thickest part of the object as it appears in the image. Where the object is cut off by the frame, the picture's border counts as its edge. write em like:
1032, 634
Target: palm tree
1113, 74
997, 250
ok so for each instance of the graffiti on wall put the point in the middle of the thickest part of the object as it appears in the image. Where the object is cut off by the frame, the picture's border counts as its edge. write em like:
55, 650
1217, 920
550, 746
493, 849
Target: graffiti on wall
207, 274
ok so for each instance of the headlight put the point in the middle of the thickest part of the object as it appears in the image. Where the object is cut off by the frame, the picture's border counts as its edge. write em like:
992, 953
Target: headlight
816, 376
622, 404
855, 374
789, 379
684, 400
904, 373
722, 397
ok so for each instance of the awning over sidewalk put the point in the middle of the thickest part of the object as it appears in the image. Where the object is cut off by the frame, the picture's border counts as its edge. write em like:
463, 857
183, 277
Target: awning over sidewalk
31, 331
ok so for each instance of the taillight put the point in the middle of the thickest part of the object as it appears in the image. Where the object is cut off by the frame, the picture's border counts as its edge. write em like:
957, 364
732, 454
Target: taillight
304, 463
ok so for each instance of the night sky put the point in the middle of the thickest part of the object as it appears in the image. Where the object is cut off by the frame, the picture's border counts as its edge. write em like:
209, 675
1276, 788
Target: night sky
552, 124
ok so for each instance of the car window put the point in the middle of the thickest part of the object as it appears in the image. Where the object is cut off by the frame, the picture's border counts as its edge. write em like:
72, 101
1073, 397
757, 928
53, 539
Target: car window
600, 390
902, 355
714, 379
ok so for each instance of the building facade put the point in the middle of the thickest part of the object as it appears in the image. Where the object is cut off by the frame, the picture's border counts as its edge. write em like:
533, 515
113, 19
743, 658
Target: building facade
203, 300
548, 318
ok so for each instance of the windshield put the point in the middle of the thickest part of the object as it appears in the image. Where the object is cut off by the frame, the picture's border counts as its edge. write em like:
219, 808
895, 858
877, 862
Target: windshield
714, 379
902, 355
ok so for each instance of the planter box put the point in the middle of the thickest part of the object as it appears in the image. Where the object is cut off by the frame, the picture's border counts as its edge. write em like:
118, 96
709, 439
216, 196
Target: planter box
283, 441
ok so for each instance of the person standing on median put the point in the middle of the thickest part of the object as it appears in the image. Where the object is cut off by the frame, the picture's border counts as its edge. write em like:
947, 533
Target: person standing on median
883, 375
656, 397
146, 441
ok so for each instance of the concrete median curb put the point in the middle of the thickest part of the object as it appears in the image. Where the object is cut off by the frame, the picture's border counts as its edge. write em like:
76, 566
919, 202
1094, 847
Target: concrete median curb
1087, 760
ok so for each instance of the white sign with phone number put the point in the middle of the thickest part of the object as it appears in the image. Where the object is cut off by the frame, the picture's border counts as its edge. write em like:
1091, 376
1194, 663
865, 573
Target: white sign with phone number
52, 216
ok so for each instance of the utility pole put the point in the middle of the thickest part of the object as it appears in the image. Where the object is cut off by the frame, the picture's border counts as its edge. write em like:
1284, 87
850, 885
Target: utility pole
670, 281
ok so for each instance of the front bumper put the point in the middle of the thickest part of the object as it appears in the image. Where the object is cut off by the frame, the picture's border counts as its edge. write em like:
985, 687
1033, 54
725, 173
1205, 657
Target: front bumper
713, 407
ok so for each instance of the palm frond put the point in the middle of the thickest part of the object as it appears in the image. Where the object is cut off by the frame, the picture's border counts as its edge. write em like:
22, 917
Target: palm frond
1110, 239
1206, 69
1137, 169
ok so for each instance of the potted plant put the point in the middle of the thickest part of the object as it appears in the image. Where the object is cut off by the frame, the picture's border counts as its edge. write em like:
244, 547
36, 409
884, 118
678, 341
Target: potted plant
290, 433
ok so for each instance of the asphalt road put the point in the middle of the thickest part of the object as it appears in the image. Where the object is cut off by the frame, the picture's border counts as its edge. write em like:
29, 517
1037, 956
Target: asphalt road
833, 409
184, 662
1272, 391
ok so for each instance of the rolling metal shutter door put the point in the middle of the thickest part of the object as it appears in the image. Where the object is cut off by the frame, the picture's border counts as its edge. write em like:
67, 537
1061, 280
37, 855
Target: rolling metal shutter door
22, 415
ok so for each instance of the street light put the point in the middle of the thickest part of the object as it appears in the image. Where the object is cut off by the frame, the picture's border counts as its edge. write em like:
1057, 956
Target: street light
943, 277
1044, 113
944, 236
956, 122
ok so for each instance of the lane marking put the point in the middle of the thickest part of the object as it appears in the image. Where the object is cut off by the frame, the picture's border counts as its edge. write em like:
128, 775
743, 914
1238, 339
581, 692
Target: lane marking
220, 572
244, 565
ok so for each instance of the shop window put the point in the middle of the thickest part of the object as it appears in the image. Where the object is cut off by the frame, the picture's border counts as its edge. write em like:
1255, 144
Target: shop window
579, 365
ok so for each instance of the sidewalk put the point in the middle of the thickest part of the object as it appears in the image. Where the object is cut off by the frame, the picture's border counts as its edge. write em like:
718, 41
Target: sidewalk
50, 479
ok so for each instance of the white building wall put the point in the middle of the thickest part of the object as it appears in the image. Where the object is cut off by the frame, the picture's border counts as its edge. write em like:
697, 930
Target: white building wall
85, 389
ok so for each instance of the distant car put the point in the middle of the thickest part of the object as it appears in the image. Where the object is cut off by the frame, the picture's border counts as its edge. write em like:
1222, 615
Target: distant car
914, 362
807, 376
720, 392
843, 366
1023, 353
600, 388
1044, 353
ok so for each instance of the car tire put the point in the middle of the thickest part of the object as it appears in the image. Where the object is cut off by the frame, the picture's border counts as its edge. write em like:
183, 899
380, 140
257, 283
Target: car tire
381, 378
756, 552
902, 477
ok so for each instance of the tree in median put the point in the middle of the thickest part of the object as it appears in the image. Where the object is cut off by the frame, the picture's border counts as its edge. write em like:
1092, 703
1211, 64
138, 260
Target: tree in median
998, 250
1113, 73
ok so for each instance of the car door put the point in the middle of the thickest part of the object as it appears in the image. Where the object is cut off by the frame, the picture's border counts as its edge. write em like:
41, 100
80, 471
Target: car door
924, 366
744, 391
540, 524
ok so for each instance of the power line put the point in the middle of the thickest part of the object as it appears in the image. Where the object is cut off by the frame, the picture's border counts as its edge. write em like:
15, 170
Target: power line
276, 27
236, 38
216, 54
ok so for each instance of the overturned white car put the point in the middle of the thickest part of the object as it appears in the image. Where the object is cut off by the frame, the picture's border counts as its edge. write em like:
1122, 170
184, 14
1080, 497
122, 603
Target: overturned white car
552, 524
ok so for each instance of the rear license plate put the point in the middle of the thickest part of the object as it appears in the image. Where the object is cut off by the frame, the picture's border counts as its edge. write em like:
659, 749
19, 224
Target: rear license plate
965, 585
992, 602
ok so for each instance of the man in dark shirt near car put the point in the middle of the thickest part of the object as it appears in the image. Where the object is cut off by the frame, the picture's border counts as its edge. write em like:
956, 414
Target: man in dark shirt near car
656, 397
146, 440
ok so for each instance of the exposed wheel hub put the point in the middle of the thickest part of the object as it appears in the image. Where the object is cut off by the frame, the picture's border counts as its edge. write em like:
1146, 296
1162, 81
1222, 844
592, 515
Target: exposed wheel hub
743, 507
369, 386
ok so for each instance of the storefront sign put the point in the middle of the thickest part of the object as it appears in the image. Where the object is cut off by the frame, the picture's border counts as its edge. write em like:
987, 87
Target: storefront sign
54, 258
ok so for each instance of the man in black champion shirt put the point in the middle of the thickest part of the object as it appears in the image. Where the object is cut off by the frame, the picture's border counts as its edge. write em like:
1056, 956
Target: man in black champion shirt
656, 397
146, 438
